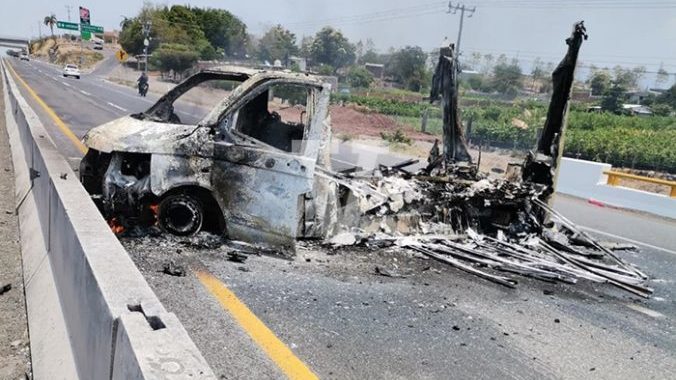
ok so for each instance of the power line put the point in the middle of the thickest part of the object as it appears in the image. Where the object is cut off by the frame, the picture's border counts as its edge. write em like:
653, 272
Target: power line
409, 11
556, 57
68, 9
576, 4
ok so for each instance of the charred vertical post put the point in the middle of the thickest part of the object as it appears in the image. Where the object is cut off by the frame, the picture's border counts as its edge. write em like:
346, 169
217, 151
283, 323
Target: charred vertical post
542, 167
444, 85
562, 78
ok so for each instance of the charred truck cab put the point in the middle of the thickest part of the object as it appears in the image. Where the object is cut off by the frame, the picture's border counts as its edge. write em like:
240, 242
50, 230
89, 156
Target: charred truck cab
246, 168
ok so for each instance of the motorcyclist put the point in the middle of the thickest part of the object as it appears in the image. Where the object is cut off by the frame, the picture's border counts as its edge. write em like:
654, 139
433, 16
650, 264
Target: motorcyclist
143, 84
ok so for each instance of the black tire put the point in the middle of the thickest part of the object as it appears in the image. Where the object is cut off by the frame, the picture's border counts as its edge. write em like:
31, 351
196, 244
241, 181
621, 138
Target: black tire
77, 77
181, 214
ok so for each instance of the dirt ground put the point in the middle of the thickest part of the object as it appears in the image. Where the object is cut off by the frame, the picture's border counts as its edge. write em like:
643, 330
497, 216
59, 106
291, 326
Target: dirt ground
67, 52
14, 349
350, 121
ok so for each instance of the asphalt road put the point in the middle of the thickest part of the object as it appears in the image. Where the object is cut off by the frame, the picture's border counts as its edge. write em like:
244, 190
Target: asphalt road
344, 321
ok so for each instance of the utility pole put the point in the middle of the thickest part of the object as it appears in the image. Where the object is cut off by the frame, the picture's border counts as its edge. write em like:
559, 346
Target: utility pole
454, 9
146, 41
68, 9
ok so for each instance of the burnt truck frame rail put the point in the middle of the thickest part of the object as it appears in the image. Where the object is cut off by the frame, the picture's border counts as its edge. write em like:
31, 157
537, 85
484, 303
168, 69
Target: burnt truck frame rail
240, 170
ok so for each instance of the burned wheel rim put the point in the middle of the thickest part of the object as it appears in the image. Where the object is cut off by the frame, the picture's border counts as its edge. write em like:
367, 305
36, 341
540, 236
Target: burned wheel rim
181, 214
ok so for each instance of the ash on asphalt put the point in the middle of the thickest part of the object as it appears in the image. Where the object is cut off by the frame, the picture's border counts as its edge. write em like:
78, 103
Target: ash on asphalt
389, 313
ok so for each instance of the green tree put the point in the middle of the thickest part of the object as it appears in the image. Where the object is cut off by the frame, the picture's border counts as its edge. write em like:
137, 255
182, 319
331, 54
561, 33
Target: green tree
475, 59
538, 72
50, 21
174, 57
614, 98
131, 37
330, 47
628, 78
223, 30
305, 46
277, 43
507, 78
370, 54
326, 70
661, 110
407, 67
359, 77
599, 82
662, 76
488, 63
668, 97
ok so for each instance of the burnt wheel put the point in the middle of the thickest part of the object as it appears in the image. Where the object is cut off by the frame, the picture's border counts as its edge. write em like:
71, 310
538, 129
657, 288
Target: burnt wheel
181, 214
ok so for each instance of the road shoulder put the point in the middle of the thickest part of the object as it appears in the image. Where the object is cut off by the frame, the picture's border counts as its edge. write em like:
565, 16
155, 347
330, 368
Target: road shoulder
14, 349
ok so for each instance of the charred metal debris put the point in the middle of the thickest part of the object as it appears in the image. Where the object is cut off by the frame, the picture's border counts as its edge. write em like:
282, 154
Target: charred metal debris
493, 228
245, 173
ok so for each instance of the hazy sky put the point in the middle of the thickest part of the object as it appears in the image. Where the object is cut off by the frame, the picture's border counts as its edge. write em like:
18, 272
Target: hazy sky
626, 32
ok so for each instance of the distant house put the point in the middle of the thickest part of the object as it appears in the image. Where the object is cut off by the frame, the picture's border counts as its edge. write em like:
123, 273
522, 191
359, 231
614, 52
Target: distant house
376, 69
638, 97
637, 109
466, 74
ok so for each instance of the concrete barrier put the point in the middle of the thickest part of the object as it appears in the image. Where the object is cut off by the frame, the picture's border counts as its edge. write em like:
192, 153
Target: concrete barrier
585, 179
91, 313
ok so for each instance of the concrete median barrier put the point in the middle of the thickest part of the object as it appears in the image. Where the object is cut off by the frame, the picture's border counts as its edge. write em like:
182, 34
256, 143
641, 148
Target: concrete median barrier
91, 313
586, 179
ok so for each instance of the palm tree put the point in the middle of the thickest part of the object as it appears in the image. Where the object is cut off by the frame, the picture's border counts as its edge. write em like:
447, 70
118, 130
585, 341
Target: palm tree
50, 21
126, 22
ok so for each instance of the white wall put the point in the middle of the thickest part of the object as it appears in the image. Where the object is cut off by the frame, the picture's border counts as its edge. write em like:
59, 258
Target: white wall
585, 179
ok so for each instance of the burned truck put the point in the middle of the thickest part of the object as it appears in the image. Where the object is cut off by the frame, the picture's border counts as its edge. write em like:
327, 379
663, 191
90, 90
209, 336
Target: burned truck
246, 168
256, 167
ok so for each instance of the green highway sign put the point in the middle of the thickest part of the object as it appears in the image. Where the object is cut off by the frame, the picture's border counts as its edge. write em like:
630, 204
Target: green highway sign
67, 25
92, 28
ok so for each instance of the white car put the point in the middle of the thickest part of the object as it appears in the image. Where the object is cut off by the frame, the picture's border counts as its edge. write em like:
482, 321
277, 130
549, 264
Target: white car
24, 57
71, 71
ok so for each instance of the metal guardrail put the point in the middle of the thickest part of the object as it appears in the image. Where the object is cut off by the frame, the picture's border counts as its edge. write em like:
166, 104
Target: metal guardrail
615, 177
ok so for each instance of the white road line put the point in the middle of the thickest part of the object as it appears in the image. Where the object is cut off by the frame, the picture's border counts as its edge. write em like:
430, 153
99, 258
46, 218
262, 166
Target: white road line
66, 84
118, 107
645, 310
85, 93
627, 239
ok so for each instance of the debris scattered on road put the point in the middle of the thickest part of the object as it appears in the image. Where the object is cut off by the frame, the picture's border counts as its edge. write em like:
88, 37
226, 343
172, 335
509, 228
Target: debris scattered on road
388, 273
450, 212
615, 246
237, 257
5, 288
173, 269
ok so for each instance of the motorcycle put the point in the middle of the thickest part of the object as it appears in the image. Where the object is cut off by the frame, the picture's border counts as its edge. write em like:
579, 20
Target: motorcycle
143, 89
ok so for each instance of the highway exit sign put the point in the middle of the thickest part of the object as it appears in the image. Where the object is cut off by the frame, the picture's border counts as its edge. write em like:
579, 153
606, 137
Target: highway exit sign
67, 25
92, 28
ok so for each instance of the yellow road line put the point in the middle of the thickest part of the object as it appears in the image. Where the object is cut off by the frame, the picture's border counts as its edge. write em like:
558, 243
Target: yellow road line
57, 120
276, 350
